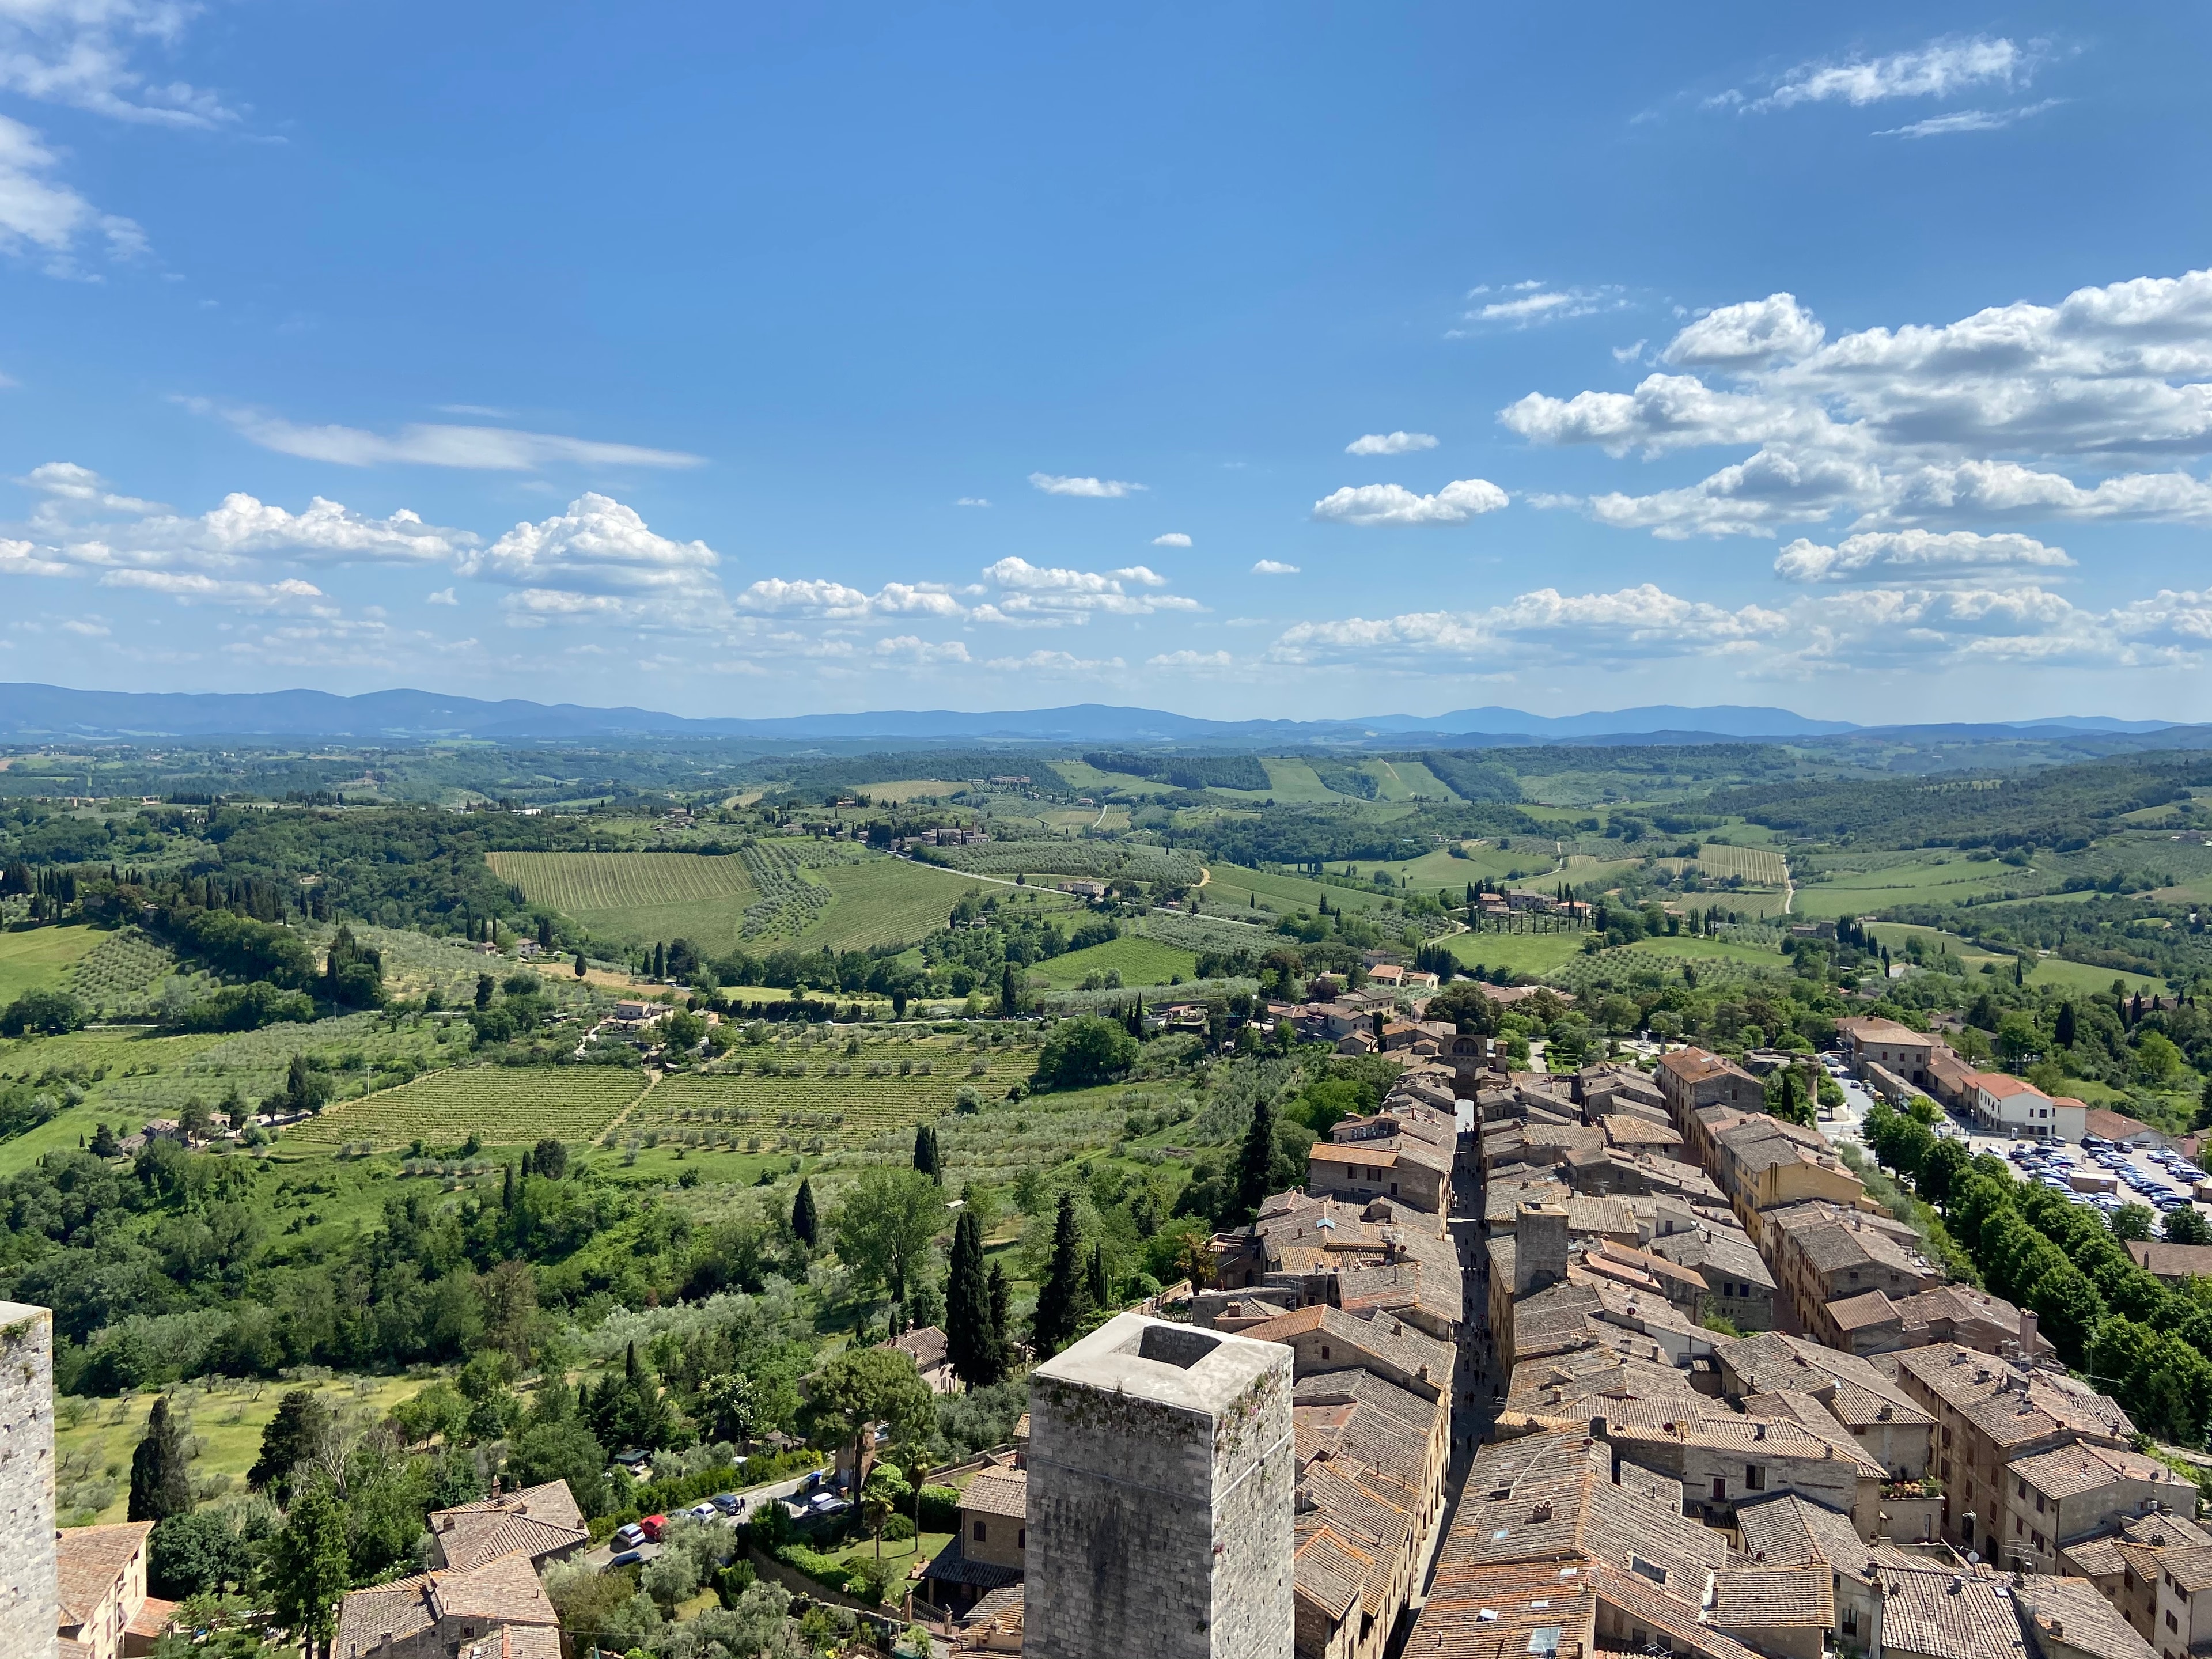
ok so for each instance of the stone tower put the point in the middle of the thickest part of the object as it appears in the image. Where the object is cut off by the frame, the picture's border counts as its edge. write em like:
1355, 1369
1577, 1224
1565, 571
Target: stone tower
1540, 1248
30, 1591
1162, 1477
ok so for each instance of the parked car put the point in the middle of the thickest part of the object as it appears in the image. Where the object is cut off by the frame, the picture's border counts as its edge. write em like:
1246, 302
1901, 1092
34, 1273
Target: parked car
728, 1502
705, 1511
652, 1526
629, 1537
625, 1558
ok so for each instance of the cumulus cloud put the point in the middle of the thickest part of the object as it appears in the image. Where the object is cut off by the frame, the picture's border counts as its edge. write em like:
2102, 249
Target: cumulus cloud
1916, 626
834, 601
1102, 489
1941, 68
1192, 661
188, 586
1053, 664
1048, 596
1272, 568
78, 53
478, 448
1172, 538
1393, 504
443, 596
1921, 423
600, 560
1390, 443
908, 649
1920, 555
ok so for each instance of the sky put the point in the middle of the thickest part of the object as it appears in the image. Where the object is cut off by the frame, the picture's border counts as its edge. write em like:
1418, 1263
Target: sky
1239, 360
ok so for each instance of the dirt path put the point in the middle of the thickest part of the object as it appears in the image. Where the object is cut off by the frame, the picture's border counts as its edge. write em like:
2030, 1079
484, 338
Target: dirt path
607, 1134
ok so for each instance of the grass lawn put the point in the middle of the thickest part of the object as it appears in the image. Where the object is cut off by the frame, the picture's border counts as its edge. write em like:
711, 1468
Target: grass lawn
1228, 887
93, 1454
1087, 778
1140, 961
902, 790
2082, 978
889, 900
1532, 954
40, 958
1723, 950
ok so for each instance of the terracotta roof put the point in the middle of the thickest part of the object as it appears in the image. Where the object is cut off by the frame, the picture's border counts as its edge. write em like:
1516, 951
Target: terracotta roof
1351, 1152
1789, 1529
928, 1347
1869, 1028
89, 1560
2072, 1470
953, 1565
998, 1491
154, 1617
1853, 1313
2171, 1261
502, 1591
2010, 1406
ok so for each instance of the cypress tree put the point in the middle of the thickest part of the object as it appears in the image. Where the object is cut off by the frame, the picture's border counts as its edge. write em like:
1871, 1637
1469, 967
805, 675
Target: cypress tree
2066, 1025
159, 1487
579, 965
804, 1225
1101, 1288
1257, 1160
1009, 995
1060, 1305
926, 1157
969, 1334
1001, 1294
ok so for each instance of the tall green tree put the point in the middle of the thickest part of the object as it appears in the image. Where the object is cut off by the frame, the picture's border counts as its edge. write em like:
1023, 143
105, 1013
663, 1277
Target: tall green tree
925, 1156
1001, 1295
309, 1567
161, 1481
884, 1228
1255, 1160
1064, 1300
301, 1428
805, 1227
1099, 1283
973, 1340
861, 1387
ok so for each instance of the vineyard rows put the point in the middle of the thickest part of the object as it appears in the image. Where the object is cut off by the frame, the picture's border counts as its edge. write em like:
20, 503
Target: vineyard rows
1204, 934
577, 882
121, 973
1095, 860
502, 1106
1627, 965
1760, 863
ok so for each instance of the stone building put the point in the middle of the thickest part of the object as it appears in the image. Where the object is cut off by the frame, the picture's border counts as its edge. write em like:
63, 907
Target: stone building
105, 1613
1162, 1467
498, 1608
29, 1609
542, 1522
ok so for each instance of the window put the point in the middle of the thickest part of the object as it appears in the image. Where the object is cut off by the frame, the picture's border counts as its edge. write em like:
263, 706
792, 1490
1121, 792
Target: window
1850, 1621
2018, 1527
979, 1532
1720, 1488
2022, 1486
1022, 1538
2036, 1539
2038, 1502
1324, 1351
1754, 1476
2170, 1622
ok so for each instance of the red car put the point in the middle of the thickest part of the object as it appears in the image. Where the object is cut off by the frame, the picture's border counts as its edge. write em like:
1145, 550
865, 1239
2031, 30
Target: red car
652, 1526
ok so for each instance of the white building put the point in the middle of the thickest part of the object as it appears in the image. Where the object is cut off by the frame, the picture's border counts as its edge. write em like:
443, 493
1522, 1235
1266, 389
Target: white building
2023, 1111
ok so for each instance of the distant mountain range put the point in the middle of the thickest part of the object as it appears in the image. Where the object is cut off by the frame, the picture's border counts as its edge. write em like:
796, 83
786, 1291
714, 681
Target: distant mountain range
47, 713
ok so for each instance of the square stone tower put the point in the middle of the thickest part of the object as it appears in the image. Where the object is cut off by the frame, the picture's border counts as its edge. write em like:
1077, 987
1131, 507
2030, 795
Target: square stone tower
1163, 1480
30, 1591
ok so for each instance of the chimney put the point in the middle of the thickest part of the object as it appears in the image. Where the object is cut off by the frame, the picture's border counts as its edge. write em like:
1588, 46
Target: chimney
2028, 1334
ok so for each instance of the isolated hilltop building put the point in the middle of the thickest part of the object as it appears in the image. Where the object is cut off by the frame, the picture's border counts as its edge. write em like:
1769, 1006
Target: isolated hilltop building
1162, 1471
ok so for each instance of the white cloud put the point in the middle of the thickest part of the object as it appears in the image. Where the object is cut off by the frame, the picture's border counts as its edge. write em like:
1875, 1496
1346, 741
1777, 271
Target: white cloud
599, 560
1052, 664
443, 596
1104, 489
972, 501
1049, 596
1643, 622
907, 648
1968, 120
1393, 504
1273, 567
1921, 424
1550, 305
1172, 538
27, 559
326, 530
88, 630
1938, 70
77, 52
1628, 354
480, 448
1192, 661
1919, 554
37, 216
834, 601
187, 586
1390, 443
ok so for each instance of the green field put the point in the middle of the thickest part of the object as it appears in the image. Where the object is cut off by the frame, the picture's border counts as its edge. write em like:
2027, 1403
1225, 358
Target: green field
1229, 887
887, 901
638, 896
503, 1106
1532, 954
1755, 864
1139, 961
1405, 781
1937, 880
94, 1439
2083, 979
907, 789
40, 958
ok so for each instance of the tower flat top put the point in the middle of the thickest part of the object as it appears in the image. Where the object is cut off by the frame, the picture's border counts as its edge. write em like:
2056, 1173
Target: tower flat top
1155, 1360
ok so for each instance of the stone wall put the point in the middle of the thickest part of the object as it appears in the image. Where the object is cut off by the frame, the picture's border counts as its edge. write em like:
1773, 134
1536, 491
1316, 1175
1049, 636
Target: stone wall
29, 1594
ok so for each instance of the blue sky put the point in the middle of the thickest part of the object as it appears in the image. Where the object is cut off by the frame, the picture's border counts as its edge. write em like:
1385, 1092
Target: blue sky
1310, 361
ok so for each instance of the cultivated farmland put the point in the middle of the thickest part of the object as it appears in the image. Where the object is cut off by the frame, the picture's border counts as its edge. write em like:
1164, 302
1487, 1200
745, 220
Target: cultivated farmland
502, 1106
40, 958
1757, 864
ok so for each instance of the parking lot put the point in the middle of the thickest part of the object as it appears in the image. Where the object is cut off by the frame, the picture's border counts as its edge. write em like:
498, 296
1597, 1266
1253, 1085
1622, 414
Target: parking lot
731, 1510
2152, 1178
